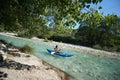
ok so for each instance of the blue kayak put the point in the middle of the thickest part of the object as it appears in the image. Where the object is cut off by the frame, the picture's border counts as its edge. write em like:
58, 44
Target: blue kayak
60, 54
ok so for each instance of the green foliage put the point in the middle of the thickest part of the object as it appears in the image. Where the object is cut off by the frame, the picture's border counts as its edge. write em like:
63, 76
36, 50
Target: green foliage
29, 33
2, 28
27, 49
92, 18
28, 18
66, 39
97, 46
45, 32
18, 15
46, 40
99, 29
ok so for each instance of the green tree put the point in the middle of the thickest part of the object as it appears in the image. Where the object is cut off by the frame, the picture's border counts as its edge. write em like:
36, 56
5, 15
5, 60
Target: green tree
20, 14
103, 31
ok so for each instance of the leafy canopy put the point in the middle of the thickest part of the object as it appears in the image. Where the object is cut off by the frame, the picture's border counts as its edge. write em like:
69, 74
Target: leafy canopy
16, 15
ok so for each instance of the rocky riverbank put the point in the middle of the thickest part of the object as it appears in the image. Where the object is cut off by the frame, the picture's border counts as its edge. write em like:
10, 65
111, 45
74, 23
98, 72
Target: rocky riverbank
84, 49
16, 65
89, 50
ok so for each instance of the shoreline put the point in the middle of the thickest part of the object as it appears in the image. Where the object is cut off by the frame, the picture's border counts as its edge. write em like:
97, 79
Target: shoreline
90, 50
83, 49
76, 47
22, 66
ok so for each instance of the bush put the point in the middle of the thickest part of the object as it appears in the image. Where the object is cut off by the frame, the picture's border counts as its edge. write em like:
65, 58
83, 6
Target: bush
113, 49
2, 28
63, 39
46, 40
118, 49
97, 46
106, 48
27, 49
25, 34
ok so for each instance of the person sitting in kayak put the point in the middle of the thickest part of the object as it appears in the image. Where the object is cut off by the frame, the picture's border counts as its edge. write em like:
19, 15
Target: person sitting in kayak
56, 49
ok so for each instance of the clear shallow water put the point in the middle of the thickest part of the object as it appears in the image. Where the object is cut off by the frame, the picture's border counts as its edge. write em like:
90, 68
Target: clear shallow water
81, 66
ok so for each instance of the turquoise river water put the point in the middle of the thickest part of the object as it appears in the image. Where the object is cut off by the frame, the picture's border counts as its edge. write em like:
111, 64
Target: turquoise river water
81, 66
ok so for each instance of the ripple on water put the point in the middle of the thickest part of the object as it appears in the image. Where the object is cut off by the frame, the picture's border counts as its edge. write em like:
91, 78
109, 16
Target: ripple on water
81, 66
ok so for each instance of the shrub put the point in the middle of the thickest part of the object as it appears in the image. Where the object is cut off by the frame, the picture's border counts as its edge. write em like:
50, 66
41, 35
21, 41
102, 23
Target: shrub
27, 49
97, 46
46, 40
106, 48
2, 28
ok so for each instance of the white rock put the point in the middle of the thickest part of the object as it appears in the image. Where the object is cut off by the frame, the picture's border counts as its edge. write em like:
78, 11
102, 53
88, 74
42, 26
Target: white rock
4, 55
2, 46
1, 52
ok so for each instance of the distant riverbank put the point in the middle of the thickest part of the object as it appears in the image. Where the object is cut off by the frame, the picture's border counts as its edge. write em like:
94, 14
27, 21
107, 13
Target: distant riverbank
84, 49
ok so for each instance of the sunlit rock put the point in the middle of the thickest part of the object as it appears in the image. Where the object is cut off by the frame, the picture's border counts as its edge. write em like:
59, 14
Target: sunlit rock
3, 55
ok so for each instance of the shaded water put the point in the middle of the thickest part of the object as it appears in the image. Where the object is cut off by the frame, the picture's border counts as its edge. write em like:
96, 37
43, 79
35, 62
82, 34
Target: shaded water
81, 66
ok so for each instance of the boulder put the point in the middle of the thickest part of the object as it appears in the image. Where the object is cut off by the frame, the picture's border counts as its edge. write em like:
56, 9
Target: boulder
3, 55
2, 46
1, 58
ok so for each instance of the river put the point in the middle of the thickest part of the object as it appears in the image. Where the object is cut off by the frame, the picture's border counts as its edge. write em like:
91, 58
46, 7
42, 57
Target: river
81, 66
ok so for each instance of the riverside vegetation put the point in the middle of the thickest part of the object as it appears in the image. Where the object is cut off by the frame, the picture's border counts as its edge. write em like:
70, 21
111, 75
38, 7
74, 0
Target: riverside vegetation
26, 49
